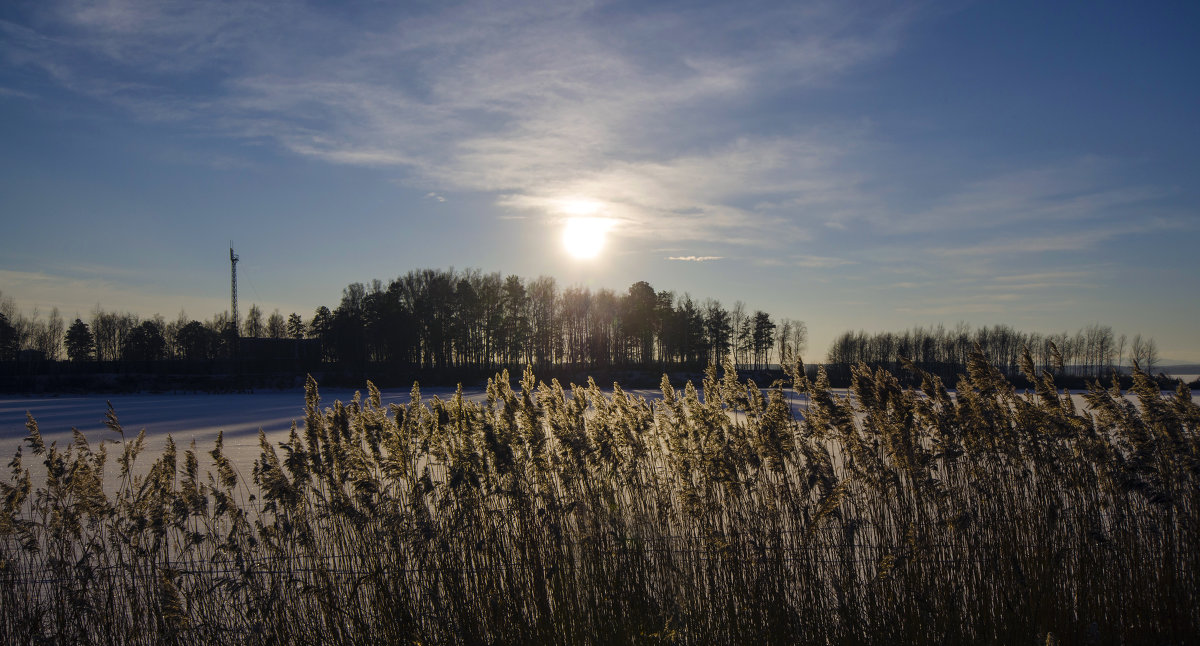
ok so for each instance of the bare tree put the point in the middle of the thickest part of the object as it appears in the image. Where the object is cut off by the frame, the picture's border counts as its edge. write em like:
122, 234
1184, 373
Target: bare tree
793, 340
48, 336
788, 352
1120, 352
253, 325
171, 335
276, 328
104, 330
737, 325
718, 329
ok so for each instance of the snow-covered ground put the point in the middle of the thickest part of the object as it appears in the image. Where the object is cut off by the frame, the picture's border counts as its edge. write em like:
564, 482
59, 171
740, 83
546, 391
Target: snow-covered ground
185, 417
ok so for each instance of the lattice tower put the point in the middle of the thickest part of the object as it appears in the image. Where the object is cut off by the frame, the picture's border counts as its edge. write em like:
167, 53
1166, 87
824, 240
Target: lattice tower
233, 261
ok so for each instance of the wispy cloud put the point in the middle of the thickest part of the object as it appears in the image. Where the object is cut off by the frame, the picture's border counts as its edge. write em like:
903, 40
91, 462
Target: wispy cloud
529, 101
695, 258
1045, 239
1069, 191
1044, 280
820, 262
662, 117
1031, 244
16, 94
1001, 307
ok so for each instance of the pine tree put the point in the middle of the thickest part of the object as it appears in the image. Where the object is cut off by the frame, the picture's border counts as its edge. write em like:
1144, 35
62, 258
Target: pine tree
295, 326
80, 344
144, 343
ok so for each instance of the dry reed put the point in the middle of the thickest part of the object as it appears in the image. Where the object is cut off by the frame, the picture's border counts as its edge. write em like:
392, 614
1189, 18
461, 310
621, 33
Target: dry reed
571, 516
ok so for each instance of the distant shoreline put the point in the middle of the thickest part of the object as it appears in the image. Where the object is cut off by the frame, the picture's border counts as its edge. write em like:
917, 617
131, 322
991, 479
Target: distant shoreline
160, 379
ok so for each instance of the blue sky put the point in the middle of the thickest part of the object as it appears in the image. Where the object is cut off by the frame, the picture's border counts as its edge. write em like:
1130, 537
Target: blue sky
855, 165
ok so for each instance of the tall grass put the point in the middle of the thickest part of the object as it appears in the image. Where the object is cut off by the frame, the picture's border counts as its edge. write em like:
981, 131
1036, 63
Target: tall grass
556, 516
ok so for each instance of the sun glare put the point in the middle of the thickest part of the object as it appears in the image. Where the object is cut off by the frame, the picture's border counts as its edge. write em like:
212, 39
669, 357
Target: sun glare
579, 208
584, 237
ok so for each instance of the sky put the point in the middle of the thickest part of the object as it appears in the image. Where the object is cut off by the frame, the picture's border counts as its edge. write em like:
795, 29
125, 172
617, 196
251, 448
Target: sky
855, 165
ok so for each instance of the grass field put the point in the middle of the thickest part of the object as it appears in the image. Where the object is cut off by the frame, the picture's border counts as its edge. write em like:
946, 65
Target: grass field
575, 516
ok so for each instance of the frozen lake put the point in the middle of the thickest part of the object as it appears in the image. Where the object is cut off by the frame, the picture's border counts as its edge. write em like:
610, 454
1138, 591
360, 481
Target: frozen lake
185, 417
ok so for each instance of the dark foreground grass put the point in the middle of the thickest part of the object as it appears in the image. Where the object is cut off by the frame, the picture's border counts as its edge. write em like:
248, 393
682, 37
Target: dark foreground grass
547, 516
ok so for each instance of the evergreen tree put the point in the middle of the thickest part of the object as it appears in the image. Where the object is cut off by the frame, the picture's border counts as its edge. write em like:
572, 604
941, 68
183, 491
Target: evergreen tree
693, 346
640, 306
321, 329
144, 343
80, 344
295, 326
196, 342
762, 338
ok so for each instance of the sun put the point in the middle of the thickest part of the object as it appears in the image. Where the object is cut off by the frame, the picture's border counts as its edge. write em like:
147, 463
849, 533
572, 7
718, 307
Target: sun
583, 238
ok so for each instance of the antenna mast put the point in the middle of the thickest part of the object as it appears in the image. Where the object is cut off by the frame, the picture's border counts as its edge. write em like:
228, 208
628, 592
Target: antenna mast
233, 261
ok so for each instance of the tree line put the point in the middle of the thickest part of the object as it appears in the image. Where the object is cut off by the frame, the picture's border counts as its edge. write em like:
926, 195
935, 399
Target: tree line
433, 318
1092, 351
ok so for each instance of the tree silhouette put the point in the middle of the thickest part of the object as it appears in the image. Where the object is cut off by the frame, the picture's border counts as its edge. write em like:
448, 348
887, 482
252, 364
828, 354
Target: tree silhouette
276, 328
516, 321
719, 329
543, 320
195, 341
640, 306
295, 326
80, 344
253, 326
144, 343
109, 330
321, 328
8, 339
1092, 351
48, 336
435, 318
762, 338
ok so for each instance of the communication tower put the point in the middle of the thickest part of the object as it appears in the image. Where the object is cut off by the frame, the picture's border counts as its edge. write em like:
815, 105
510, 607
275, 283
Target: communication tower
233, 261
